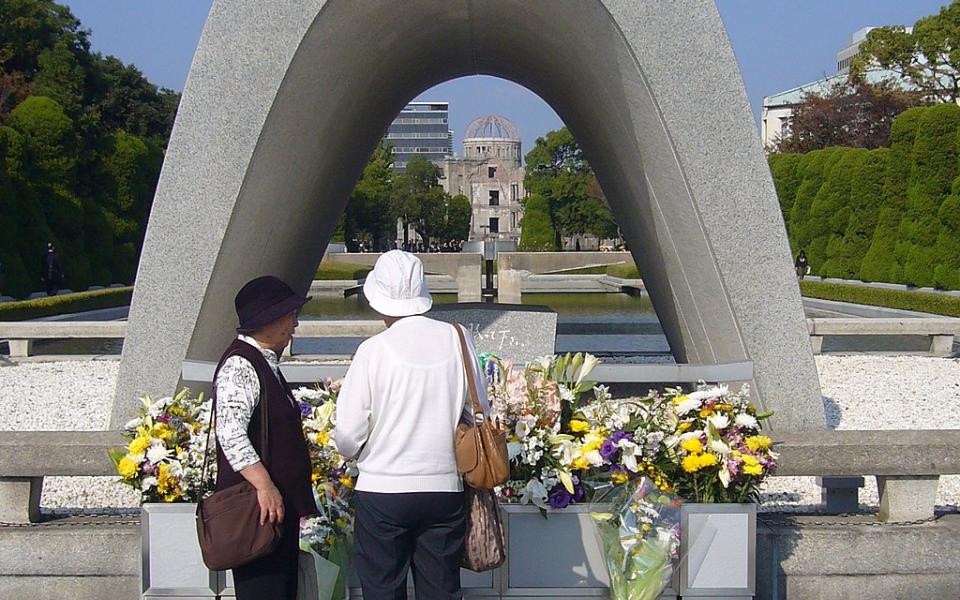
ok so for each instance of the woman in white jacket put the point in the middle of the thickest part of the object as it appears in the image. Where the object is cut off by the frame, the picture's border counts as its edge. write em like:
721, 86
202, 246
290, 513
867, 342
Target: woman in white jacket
400, 403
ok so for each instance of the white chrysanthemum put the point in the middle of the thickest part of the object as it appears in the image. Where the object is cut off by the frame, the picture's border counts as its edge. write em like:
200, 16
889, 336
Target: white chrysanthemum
132, 424
719, 447
688, 404
157, 452
746, 421
719, 422
147, 483
709, 394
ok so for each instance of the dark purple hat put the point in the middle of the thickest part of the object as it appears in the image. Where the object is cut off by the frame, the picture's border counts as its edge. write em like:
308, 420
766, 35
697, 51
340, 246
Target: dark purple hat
264, 300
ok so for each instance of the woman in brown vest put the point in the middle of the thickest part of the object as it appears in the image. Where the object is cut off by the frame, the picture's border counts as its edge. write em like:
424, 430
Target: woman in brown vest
247, 375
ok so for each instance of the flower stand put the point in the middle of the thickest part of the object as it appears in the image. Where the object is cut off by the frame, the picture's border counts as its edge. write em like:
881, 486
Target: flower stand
171, 562
718, 551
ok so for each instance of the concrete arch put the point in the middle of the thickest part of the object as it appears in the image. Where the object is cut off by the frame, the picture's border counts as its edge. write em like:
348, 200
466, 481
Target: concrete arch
286, 98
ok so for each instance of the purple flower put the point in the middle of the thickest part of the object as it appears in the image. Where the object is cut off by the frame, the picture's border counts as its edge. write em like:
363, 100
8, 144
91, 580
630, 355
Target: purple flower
305, 409
621, 435
560, 497
608, 450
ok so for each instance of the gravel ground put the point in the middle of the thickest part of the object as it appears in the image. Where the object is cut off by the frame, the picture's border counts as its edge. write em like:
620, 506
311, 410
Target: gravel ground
860, 392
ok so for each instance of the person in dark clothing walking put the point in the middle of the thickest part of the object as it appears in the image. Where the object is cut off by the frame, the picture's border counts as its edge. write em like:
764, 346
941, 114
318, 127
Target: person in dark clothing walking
801, 265
248, 374
51, 273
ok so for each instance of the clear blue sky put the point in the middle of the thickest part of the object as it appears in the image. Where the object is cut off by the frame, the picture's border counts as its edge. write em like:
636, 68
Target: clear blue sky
779, 43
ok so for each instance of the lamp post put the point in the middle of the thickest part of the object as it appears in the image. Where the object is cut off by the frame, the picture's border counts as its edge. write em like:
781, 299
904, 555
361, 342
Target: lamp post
488, 293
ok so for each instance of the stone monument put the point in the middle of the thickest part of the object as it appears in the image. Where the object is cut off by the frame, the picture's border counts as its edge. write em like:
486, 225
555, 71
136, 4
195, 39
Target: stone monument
519, 333
287, 98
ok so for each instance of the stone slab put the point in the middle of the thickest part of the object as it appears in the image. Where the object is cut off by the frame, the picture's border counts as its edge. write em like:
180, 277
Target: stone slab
20, 499
856, 453
518, 333
907, 497
105, 587
39, 453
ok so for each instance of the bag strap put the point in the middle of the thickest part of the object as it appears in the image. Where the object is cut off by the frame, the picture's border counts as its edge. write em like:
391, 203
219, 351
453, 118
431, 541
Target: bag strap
264, 428
471, 383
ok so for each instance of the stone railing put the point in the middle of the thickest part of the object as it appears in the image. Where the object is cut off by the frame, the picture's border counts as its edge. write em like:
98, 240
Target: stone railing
21, 335
906, 463
940, 330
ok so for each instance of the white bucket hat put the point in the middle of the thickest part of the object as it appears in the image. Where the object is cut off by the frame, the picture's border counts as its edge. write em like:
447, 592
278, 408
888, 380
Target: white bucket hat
396, 286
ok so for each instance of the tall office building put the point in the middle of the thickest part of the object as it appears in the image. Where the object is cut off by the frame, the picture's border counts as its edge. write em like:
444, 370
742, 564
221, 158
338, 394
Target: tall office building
421, 129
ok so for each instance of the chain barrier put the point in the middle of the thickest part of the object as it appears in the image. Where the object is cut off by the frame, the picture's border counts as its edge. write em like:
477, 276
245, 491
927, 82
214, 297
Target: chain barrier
76, 520
794, 519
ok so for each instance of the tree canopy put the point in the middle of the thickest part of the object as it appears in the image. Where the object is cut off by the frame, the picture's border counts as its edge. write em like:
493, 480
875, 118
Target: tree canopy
82, 137
928, 56
558, 172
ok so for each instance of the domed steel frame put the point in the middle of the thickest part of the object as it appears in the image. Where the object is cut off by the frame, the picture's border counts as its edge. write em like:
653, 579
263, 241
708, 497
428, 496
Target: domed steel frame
491, 127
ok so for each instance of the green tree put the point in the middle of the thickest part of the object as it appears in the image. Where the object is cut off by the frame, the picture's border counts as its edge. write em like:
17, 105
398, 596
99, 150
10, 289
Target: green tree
786, 179
556, 170
845, 254
881, 262
419, 200
459, 214
830, 211
927, 57
368, 213
934, 168
946, 274
813, 169
537, 232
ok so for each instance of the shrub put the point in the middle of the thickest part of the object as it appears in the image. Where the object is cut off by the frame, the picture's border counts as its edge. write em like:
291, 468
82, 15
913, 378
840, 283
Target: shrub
845, 254
813, 170
329, 271
64, 304
939, 304
784, 169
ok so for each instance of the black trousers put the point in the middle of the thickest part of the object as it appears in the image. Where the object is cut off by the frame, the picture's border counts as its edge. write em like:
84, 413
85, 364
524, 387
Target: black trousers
422, 531
273, 576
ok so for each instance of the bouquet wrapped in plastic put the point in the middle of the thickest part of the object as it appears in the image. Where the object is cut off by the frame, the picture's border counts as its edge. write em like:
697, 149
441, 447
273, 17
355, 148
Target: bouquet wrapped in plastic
640, 538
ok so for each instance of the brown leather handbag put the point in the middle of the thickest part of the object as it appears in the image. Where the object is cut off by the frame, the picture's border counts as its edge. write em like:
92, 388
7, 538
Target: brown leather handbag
228, 521
480, 446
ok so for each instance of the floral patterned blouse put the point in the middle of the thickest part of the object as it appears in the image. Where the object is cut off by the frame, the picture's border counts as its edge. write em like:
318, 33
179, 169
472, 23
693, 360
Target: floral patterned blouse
238, 394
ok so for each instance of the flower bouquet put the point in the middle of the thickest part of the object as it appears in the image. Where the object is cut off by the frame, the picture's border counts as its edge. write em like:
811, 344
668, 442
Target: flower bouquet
640, 538
535, 405
714, 451
325, 538
164, 457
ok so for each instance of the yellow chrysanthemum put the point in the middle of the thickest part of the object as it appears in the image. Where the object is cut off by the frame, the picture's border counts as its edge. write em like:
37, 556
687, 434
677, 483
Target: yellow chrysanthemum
314, 477
323, 438
139, 445
707, 460
347, 481
706, 412
692, 445
756, 469
758, 442
619, 478
162, 431
578, 426
580, 463
127, 468
683, 427
691, 463
679, 400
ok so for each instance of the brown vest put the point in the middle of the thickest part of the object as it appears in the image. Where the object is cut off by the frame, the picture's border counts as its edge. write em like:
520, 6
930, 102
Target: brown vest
288, 460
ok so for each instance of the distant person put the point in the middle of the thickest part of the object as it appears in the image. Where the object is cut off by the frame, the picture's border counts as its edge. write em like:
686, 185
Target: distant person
801, 265
51, 273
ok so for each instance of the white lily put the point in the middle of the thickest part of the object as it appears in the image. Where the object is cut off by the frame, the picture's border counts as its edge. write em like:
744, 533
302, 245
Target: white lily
514, 449
534, 492
724, 477
628, 455
589, 362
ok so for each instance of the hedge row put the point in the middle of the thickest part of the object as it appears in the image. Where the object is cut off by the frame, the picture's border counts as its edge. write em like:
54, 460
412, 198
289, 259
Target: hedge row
341, 271
939, 304
890, 214
64, 304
